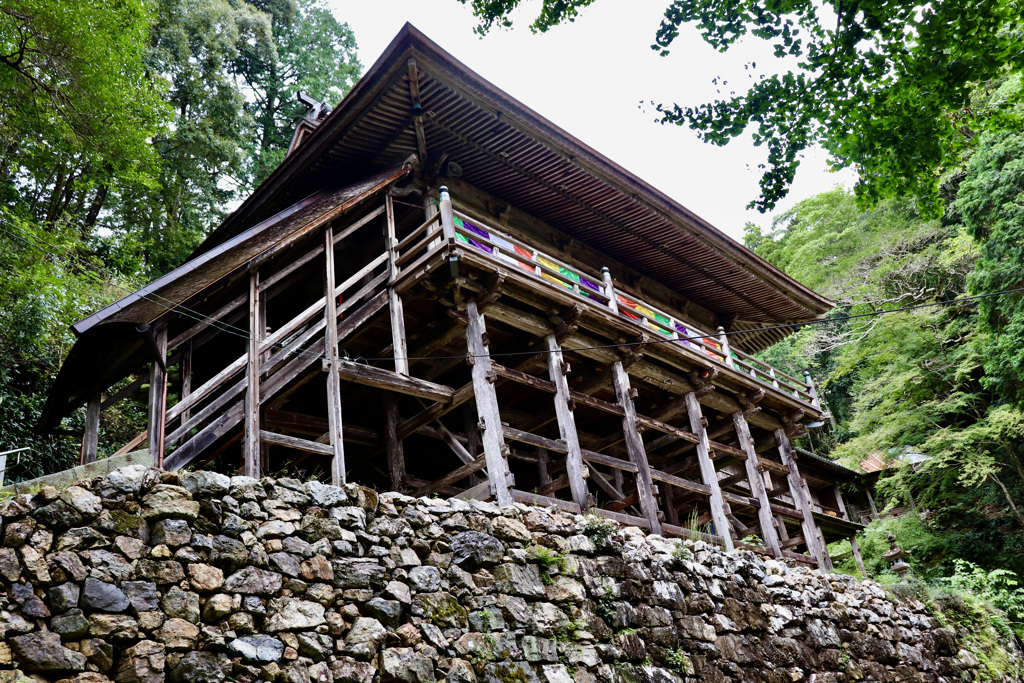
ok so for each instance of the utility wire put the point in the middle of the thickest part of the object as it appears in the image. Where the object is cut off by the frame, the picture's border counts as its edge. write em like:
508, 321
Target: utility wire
37, 242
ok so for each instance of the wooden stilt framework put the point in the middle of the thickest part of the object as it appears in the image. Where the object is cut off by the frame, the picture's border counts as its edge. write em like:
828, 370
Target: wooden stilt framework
158, 399
90, 439
719, 508
251, 442
396, 299
754, 479
557, 371
803, 505
335, 433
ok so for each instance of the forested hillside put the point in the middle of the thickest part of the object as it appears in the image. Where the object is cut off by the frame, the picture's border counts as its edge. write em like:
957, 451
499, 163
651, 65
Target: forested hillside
127, 131
936, 384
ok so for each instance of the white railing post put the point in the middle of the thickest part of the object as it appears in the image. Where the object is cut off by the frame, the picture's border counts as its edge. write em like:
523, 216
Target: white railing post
609, 289
723, 339
811, 389
447, 216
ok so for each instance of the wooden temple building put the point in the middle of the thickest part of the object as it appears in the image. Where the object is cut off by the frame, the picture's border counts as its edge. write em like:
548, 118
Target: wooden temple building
440, 292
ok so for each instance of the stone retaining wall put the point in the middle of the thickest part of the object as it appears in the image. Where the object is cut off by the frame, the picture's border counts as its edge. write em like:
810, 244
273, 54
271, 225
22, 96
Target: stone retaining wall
146, 576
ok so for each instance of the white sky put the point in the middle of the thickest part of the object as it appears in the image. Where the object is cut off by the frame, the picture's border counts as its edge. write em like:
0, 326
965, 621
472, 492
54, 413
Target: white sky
590, 78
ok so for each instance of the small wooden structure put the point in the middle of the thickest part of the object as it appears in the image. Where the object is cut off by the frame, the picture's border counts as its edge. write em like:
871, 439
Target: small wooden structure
439, 292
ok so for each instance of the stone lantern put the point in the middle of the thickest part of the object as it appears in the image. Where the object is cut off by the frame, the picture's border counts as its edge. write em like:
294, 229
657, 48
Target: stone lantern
895, 556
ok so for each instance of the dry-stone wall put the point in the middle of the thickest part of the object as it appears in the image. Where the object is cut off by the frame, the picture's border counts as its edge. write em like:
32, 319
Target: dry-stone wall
145, 576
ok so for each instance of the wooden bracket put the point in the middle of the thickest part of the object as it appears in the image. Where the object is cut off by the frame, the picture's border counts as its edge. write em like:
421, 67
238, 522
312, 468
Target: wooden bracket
565, 324
494, 286
702, 378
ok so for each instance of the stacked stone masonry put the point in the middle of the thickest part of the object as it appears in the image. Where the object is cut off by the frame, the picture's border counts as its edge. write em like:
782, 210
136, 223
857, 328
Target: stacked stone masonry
147, 576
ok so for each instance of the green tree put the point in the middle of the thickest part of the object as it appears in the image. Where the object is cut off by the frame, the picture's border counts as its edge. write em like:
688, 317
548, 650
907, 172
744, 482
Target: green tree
77, 106
991, 201
313, 52
884, 87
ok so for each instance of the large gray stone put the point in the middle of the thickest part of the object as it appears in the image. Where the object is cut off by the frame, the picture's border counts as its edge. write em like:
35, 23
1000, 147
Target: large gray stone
473, 549
387, 612
519, 579
406, 665
171, 532
130, 479
63, 597
364, 638
425, 579
181, 604
142, 595
99, 596
43, 653
201, 667
292, 614
71, 625
257, 648
165, 501
142, 663
325, 495
348, 670
254, 581
206, 484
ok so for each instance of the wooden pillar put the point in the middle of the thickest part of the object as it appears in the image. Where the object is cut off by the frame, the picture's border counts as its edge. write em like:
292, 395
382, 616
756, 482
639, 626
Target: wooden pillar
635, 446
871, 503
796, 490
158, 401
764, 513
393, 444
186, 378
543, 474
841, 503
495, 449
473, 444
671, 513
856, 555
398, 341
251, 444
331, 348
90, 439
719, 510
557, 370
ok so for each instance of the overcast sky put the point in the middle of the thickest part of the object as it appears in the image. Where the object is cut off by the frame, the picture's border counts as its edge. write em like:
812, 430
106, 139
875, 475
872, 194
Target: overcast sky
591, 77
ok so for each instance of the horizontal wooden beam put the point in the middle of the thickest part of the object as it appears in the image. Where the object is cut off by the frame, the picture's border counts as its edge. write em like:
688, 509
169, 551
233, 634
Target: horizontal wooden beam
295, 442
545, 501
381, 378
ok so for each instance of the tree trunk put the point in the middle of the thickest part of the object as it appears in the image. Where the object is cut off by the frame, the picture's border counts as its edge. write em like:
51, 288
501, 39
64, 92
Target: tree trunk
1009, 498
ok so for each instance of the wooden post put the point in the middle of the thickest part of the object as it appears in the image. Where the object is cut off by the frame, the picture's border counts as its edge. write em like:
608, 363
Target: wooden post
158, 401
842, 504
398, 341
764, 513
473, 444
557, 370
871, 503
90, 439
331, 348
186, 378
395, 449
543, 475
719, 510
796, 490
635, 446
447, 215
495, 449
251, 443
856, 555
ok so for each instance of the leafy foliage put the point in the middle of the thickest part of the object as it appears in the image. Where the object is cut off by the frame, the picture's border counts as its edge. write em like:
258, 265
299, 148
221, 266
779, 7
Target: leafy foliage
884, 87
126, 129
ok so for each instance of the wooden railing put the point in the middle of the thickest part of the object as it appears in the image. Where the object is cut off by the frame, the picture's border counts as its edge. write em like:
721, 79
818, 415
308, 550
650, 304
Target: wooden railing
594, 289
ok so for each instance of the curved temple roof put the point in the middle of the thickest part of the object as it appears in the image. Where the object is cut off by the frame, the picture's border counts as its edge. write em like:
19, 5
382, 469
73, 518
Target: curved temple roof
513, 153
